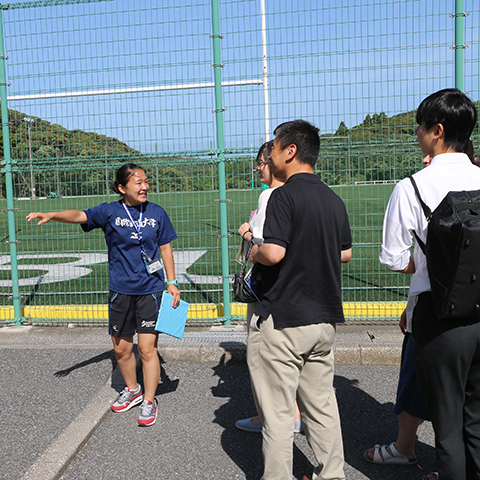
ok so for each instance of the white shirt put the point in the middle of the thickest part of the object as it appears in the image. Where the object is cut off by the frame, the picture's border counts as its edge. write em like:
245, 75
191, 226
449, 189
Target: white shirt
404, 215
258, 218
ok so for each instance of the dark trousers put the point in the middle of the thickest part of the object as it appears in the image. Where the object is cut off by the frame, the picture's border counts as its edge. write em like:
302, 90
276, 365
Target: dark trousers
447, 361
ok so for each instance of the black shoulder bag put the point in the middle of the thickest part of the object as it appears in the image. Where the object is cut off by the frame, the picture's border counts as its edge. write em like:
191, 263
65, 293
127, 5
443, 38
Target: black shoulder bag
242, 292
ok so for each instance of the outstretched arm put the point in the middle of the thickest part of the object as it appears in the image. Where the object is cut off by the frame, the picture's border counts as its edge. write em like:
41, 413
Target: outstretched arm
65, 216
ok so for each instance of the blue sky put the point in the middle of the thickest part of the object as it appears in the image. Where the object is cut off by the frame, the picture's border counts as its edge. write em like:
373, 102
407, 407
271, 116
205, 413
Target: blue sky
326, 64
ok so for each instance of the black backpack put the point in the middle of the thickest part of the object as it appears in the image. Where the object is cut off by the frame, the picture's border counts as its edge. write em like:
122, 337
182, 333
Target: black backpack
453, 253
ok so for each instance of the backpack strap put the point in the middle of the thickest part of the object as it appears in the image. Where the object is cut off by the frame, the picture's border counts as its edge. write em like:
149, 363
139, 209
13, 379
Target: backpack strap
425, 207
426, 211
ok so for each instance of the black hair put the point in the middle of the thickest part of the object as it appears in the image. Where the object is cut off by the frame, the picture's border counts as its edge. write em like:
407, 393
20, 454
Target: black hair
470, 151
264, 152
302, 134
123, 175
455, 111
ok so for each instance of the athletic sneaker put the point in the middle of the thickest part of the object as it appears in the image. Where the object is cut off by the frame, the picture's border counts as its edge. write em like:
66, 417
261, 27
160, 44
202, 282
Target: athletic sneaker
148, 413
128, 399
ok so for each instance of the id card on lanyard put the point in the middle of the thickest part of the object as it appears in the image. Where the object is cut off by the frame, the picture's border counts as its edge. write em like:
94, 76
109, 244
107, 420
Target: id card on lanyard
151, 266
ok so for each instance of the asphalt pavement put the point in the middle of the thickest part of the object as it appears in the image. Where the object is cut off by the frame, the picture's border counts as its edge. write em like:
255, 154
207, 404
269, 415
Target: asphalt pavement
59, 383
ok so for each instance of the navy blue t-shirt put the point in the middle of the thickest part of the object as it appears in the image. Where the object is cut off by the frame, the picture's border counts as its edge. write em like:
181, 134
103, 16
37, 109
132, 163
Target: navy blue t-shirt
128, 274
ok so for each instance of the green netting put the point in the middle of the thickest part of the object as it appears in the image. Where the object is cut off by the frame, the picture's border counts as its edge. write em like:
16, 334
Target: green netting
95, 84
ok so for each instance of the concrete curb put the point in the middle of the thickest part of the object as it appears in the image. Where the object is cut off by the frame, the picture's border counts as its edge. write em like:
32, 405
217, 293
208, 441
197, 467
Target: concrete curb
384, 356
199, 352
56, 458
235, 353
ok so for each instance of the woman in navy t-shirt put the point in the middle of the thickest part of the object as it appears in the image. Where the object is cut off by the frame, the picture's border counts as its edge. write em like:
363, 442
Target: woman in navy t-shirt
137, 233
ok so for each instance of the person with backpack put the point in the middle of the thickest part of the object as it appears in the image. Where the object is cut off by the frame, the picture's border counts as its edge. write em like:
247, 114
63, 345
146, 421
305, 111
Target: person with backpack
447, 344
408, 405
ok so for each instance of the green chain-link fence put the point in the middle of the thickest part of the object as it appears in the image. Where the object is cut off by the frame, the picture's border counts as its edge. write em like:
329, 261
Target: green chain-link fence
190, 90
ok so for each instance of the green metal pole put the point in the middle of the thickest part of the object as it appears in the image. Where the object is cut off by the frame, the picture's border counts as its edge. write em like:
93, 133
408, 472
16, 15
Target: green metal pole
217, 65
459, 44
7, 163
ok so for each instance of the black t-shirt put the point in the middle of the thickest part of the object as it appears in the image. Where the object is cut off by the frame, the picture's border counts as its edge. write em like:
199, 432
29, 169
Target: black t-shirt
311, 222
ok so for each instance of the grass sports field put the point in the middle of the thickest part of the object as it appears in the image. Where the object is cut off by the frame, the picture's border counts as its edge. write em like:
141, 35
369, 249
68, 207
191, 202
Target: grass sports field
61, 266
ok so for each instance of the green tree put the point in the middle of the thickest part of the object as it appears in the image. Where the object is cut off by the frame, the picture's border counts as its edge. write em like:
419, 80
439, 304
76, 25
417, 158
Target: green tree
342, 129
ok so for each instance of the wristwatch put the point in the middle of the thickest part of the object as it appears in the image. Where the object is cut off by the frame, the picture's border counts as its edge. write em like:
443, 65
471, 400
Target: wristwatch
173, 282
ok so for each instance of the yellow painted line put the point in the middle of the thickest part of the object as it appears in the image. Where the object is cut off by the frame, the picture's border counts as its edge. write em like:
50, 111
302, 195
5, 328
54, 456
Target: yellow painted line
352, 310
358, 310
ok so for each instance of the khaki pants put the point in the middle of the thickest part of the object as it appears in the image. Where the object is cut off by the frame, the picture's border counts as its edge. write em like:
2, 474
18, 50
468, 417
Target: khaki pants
296, 363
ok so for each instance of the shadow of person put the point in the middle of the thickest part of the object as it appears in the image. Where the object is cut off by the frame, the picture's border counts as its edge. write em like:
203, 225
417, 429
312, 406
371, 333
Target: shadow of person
244, 448
166, 384
110, 355
365, 422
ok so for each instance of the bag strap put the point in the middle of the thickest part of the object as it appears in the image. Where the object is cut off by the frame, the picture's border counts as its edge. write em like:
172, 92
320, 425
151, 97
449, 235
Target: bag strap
425, 207
426, 210
247, 256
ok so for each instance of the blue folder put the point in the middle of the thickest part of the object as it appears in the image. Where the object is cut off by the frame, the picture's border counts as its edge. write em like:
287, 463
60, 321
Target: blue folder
171, 320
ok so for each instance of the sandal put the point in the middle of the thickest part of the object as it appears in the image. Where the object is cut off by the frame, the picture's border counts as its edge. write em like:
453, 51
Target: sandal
382, 456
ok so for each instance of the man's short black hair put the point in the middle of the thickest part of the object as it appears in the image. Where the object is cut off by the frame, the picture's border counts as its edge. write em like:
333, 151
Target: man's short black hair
302, 134
455, 111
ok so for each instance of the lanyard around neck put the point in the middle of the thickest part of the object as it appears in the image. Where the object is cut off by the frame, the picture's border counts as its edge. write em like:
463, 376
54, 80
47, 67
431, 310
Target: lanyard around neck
147, 260
137, 228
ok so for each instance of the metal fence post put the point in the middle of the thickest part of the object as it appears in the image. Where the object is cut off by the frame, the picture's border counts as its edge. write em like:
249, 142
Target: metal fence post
459, 44
7, 163
266, 102
222, 190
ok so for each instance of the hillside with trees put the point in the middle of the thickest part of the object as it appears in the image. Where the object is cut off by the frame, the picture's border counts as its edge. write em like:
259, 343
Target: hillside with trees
52, 160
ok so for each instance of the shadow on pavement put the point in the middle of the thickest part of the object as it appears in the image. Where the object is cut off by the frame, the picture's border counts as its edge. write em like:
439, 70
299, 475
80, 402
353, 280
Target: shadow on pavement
366, 422
166, 384
110, 355
244, 448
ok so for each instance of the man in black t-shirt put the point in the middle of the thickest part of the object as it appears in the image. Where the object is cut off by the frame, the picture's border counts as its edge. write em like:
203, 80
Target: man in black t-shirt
290, 354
